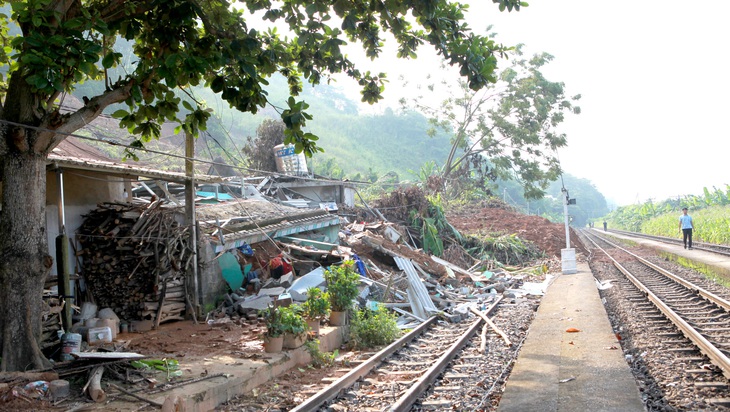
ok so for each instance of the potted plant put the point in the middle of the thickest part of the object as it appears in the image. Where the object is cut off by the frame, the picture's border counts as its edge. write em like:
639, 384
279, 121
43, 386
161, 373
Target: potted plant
274, 336
342, 282
316, 308
294, 326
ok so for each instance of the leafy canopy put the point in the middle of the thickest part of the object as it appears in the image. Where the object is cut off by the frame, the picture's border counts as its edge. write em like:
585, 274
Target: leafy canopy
508, 130
179, 44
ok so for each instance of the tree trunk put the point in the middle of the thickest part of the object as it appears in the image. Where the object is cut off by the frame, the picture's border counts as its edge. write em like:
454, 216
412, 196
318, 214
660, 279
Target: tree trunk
24, 260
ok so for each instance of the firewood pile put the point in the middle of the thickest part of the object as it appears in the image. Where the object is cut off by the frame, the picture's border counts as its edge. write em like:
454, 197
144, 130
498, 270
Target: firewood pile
135, 257
51, 320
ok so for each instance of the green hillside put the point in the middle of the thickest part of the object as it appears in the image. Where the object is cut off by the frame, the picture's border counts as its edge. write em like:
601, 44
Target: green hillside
375, 144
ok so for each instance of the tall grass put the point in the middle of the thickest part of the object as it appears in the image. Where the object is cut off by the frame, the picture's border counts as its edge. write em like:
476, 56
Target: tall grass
709, 212
712, 225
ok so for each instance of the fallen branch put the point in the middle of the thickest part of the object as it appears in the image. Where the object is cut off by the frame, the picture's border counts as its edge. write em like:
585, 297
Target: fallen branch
28, 376
492, 325
96, 393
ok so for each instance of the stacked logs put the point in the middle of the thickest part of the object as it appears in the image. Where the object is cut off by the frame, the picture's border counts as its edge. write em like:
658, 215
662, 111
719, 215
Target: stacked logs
135, 257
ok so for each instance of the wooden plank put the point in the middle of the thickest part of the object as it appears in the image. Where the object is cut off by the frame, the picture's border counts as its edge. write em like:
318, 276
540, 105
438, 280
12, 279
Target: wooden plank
106, 355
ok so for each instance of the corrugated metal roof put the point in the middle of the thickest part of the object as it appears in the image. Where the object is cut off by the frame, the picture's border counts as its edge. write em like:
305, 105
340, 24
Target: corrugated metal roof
421, 302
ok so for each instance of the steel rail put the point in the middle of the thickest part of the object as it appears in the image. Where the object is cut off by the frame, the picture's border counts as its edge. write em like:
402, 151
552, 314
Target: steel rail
719, 301
414, 392
330, 392
709, 247
716, 356
405, 402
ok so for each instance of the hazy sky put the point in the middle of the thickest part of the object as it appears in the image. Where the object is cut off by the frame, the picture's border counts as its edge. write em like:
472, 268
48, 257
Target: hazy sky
653, 76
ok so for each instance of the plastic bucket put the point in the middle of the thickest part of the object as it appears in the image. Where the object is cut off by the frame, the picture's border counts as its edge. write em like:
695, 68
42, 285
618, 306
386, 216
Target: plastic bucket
70, 343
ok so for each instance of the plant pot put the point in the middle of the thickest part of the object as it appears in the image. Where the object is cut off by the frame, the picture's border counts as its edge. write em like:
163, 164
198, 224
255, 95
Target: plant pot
314, 326
338, 318
292, 341
273, 345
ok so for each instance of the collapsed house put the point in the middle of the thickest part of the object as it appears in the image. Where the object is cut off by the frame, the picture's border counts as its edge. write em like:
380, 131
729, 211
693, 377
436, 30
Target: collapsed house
133, 251
129, 244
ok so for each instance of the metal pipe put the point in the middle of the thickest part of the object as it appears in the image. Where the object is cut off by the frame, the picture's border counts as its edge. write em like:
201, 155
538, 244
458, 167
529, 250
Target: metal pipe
62, 252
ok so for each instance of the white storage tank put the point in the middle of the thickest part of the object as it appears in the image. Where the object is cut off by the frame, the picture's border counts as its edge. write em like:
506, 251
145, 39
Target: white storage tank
289, 162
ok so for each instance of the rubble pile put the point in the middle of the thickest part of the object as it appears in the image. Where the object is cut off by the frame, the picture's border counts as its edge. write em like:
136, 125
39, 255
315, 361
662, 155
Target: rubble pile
394, 273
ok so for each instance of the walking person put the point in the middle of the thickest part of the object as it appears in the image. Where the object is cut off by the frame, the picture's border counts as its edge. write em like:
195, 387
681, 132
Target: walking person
605, 226
686, 226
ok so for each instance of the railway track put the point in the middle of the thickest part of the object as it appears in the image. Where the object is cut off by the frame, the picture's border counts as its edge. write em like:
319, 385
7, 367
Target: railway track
701, 318
438, 366
709, 247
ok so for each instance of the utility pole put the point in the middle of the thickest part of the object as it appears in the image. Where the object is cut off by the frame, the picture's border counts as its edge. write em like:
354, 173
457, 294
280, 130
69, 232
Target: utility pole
190, 220
566, 201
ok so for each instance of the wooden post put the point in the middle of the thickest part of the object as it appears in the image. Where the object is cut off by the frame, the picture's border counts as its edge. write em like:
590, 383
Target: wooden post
190, 218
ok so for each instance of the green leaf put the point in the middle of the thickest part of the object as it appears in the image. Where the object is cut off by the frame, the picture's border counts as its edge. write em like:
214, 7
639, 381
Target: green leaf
217, 84
108, 61
136, 93
120, 114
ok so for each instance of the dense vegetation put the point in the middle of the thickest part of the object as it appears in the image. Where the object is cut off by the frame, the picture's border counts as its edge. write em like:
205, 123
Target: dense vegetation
709, 212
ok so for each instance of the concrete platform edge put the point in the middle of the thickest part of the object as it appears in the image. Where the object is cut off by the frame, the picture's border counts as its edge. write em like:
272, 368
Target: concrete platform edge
571, 372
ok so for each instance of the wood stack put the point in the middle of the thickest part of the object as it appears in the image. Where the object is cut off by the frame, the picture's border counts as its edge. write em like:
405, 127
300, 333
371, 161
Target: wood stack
135, 257
51, 321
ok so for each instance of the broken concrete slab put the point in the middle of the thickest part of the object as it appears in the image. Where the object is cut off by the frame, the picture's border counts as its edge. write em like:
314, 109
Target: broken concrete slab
286, 280
272, 292
298, 289
253, 303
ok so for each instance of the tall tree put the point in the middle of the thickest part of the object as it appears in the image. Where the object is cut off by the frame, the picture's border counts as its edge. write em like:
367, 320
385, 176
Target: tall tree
507, 130
259, 151
178, 44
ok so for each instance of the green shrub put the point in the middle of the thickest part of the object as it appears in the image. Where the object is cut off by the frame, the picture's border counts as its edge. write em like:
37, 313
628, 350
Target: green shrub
317, 305
370, 328
342, 284
292, 320
273, 321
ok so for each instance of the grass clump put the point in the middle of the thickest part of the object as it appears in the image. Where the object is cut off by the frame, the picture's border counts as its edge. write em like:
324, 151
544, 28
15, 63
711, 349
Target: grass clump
319, 359
370, 328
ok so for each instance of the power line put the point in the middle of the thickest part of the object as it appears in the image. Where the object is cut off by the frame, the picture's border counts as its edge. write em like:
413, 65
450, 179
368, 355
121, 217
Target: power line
116, 143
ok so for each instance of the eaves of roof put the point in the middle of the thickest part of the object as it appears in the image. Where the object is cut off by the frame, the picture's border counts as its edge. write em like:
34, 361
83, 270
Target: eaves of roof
126, 170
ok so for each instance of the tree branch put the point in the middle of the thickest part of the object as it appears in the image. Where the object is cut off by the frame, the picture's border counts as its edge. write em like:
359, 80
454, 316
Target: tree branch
113, 11
51, 135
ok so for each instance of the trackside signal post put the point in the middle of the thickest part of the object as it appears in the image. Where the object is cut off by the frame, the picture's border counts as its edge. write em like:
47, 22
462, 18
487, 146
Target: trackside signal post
568, 254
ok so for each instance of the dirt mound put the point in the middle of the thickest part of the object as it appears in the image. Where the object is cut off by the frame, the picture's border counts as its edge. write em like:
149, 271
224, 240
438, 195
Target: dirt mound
494, 218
